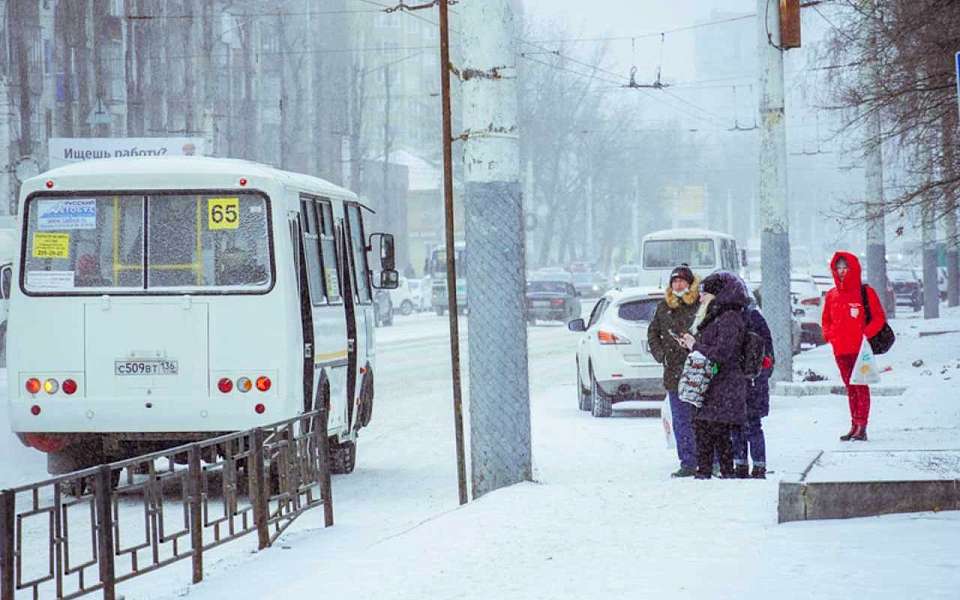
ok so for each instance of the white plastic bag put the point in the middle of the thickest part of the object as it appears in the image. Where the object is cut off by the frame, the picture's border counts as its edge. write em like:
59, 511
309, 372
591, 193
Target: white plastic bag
666, 418
865, 370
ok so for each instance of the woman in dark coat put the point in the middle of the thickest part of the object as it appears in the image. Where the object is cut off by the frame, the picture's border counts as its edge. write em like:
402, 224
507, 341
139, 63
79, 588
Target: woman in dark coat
719, 329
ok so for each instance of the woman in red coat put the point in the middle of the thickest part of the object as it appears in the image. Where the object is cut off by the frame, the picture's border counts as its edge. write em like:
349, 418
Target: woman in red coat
845, 326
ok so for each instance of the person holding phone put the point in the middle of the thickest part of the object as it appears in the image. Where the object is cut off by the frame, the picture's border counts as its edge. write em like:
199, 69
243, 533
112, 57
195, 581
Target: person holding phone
673, 317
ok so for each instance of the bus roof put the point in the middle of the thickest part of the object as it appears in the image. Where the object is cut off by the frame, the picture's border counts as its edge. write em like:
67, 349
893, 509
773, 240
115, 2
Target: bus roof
157, 171
673, 234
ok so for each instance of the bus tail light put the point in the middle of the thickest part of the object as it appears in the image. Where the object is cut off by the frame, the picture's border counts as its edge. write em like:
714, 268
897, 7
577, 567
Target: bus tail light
244, 385
225, 385
51, 386
263, 383
260, 409
69, 387
33, 386
35, 410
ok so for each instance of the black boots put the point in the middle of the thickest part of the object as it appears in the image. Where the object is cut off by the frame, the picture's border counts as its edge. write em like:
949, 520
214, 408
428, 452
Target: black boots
857, 433
743, 471
849, 434
759, 472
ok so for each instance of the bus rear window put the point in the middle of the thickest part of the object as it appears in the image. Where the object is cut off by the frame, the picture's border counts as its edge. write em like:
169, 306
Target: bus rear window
667, 254
193, 243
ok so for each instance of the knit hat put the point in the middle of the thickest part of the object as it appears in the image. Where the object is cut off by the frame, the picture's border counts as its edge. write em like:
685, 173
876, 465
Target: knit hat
712, 284
683, 272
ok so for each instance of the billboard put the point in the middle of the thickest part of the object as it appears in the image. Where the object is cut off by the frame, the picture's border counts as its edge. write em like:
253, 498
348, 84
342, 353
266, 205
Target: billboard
63, 151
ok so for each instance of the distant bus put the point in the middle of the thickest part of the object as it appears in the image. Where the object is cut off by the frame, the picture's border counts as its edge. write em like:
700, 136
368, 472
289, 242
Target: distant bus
703, 250
161, 301
436, 269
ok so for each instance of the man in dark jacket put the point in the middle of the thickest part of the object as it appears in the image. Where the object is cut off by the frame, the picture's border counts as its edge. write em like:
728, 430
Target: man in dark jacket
674, 317
750, 436
720, 329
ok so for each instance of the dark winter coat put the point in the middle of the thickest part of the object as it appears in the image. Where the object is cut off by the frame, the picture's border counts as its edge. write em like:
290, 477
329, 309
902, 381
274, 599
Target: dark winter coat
758, 390
720, 338
844, 319
673, 314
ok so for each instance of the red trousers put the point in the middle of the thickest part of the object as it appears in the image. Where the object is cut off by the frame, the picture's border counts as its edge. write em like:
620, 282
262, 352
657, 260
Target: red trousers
857, 395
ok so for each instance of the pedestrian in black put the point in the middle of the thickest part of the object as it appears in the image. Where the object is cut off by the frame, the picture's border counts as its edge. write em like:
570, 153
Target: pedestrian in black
718, 334
749, 439
673, 317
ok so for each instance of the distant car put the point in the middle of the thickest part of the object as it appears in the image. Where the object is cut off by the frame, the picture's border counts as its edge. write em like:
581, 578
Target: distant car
942, 282
552, 300
614, 363
590, 285
406, 298
807, 306
627, 276
907, 287
824, 283
382, 308
796, 330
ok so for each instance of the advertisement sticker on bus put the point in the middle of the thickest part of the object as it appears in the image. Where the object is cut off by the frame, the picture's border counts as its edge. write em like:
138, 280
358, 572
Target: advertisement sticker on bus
51, 245
223, 213
50, 280
58, 215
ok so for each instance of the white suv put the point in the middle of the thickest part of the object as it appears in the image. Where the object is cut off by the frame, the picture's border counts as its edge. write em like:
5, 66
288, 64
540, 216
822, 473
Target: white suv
614, 363
807, 301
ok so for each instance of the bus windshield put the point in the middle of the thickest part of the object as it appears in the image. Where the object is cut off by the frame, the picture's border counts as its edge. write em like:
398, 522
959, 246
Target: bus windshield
667, 254
438, 263
135, 243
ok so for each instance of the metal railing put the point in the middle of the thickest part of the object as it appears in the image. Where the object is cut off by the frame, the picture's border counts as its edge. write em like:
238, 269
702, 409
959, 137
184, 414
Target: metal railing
92, 529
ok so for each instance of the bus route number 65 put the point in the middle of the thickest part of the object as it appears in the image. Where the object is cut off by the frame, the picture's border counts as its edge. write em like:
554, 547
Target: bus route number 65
223, 213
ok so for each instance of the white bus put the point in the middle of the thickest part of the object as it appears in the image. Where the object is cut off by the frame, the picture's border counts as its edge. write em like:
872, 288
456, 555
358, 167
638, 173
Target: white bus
159, 301
703, 250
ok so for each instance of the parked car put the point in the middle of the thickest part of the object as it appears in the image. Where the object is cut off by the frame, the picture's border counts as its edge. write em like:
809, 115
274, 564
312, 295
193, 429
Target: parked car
382, 308
824, 283
406, 298
552, 300
614, 363
942, 282
590, 285
796, 330
627, 276
807, 307
907, 287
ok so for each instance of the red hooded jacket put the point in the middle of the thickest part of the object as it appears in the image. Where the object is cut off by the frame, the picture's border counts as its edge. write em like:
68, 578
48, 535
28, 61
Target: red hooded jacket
844, 319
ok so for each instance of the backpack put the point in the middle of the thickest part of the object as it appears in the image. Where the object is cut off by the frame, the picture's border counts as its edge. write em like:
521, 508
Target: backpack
754, 349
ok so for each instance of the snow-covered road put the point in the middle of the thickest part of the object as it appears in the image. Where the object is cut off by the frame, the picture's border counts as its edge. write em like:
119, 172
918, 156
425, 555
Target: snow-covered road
603, 519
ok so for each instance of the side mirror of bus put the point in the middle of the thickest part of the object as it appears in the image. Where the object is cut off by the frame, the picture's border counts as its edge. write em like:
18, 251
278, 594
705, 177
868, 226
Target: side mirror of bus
388, 251
389, 280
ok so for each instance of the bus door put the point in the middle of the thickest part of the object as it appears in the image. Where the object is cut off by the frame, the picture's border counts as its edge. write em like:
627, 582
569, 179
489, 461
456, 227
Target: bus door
305, 309
329, 352
362, 350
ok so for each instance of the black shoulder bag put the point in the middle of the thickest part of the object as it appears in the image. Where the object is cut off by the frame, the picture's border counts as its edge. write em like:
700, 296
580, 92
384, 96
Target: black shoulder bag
885, 338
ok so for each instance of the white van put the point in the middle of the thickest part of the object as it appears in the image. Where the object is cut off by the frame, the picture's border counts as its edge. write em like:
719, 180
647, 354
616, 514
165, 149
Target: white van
703, 250
166, 300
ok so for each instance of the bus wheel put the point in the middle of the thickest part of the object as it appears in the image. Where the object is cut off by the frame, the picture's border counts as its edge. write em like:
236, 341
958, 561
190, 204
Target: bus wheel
366, 401
343, 457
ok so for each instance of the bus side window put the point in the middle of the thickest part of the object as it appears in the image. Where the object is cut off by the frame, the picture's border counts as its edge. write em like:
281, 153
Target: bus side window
311, 249
328, 251
358, 248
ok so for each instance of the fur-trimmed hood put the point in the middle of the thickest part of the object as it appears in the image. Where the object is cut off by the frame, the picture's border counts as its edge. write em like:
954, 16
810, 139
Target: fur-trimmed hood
691, 298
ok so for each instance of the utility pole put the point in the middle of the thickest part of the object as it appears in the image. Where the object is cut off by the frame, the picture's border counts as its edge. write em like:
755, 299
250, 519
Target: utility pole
386, 201
449, 225
588, 207
950, 139
874, 206
499, 381
931, 289
772, 189
6, 190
